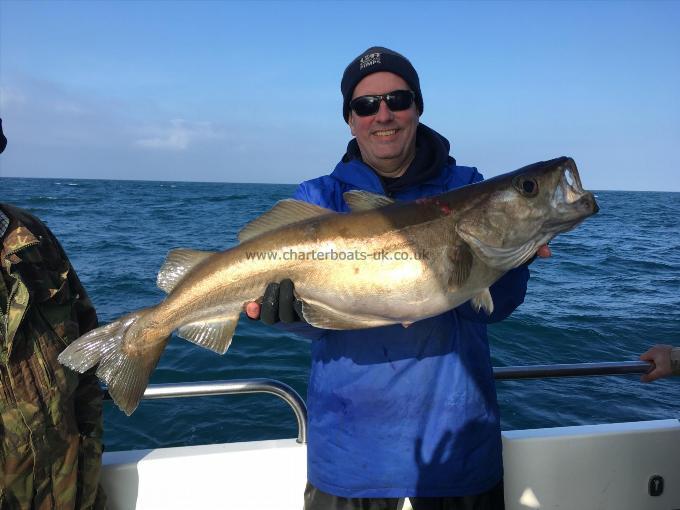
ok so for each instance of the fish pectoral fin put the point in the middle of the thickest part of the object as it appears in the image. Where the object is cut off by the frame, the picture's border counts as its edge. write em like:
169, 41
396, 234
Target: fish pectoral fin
510, 258
322, 316
461, 258
285, 212
177, 264
214, 333
503, 259
484, 301
359, 200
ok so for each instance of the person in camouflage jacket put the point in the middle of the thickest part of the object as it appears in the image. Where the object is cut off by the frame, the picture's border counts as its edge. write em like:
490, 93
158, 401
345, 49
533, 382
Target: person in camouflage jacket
50, 417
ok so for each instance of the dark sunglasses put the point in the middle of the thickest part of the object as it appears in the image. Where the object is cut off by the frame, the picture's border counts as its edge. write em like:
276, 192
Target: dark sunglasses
397, 100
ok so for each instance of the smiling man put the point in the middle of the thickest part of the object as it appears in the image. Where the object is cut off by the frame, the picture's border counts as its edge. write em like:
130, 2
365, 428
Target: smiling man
399, 412
386, 138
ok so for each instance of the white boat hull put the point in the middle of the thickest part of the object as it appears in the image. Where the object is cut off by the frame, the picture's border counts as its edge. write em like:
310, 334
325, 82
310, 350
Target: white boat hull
593, 467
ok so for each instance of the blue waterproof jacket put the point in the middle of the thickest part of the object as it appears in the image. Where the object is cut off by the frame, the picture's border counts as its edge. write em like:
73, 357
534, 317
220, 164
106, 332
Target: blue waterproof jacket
394, 411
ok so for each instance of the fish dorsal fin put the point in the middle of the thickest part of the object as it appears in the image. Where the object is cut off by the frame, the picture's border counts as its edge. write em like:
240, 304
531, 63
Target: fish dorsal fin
214, 333
285, 212
483, 301
177, 264
359, 200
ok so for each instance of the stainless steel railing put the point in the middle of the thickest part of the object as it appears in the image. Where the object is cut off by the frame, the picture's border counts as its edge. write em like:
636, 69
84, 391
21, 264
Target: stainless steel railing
291, 397
573, 370
233, 387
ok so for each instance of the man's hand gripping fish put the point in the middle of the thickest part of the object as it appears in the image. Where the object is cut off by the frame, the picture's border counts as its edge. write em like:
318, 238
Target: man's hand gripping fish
450, 249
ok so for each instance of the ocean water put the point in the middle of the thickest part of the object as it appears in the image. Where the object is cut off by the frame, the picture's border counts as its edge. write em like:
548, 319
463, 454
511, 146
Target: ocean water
611, 290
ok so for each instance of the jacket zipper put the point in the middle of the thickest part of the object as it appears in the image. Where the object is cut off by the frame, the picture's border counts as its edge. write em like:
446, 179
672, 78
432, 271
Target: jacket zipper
38, 350
11, 292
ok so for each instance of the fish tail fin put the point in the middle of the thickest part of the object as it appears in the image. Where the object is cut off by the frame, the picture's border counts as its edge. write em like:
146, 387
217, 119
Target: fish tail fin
125, 371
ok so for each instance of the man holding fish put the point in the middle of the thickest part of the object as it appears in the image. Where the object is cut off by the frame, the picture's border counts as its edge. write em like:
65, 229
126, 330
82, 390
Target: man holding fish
402, 401
397, 412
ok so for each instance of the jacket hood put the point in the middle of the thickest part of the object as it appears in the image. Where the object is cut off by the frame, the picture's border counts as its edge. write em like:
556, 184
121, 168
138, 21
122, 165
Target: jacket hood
432, 155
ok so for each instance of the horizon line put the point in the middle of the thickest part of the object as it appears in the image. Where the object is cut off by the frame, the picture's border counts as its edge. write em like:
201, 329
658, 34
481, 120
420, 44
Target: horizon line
270, 183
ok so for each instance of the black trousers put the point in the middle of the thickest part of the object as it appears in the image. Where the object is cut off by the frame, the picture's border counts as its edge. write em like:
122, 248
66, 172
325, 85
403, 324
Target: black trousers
490, 500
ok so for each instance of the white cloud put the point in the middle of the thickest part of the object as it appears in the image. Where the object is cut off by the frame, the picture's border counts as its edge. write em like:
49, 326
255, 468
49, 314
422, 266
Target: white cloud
178, 135
58, 130
10, 97
69, 108
44, 115
41, 113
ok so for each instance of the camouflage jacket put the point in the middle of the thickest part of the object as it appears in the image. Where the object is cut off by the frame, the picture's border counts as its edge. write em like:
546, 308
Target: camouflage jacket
50, 417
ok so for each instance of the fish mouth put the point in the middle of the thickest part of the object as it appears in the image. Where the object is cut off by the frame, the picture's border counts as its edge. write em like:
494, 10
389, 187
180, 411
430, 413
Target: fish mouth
569, 198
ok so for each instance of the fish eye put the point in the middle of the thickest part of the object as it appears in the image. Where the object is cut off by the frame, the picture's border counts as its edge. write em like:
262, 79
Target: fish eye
526, 186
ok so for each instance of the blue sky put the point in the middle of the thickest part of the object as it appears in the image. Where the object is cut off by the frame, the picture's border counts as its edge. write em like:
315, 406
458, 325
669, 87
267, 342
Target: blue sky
249, 91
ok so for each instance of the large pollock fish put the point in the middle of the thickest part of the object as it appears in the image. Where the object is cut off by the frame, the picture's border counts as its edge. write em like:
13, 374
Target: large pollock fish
384, 263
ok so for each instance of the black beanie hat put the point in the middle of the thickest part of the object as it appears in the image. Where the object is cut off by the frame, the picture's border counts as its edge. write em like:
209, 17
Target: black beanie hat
374, 60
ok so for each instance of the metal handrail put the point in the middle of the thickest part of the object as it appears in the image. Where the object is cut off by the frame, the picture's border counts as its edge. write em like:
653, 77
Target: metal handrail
572, 370
291, 397
236, 386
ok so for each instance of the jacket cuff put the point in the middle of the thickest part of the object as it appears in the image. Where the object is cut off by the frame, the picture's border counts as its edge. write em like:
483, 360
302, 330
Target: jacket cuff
675, 360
